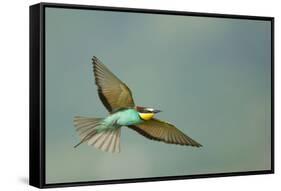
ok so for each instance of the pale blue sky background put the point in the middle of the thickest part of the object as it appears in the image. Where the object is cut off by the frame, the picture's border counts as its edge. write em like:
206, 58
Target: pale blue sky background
210, 76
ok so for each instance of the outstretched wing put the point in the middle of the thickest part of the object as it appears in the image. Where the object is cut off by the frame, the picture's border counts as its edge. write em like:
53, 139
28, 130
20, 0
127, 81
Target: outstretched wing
161, 131
113, 93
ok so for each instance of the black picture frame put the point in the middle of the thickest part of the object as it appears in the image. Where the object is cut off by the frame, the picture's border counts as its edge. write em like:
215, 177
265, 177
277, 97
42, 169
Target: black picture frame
37, 94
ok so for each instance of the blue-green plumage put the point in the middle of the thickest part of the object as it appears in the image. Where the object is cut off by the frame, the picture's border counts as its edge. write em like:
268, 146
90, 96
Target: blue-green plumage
123, 118
120, 118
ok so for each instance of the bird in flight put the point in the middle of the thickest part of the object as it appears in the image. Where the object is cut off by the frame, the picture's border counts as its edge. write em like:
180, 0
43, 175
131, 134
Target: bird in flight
104, 133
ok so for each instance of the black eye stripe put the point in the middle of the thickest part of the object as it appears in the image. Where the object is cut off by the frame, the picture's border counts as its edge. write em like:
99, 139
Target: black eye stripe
144, 110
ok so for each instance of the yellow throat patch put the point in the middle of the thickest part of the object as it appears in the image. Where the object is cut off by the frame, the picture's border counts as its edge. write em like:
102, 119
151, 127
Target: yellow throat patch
146, 116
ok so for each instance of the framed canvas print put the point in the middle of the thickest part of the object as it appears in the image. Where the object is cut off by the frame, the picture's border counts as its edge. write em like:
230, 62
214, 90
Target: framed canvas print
122, 95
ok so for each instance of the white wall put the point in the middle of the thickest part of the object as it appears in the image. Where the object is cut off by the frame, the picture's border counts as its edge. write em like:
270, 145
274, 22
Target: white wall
14, 86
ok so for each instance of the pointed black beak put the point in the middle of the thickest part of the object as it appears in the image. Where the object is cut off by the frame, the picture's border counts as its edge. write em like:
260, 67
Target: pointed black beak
156, 111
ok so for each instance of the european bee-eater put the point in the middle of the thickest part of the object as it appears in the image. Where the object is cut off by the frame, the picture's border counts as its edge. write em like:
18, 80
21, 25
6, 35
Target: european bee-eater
104, 133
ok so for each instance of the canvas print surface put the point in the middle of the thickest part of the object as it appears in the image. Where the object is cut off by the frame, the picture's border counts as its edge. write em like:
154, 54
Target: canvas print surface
109, 74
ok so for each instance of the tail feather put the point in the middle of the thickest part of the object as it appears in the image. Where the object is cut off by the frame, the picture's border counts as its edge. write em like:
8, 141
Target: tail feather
100, 142
92, 141
107, 140
85, 122
111, 139
117, 142
85, 127
111, 145
107, 144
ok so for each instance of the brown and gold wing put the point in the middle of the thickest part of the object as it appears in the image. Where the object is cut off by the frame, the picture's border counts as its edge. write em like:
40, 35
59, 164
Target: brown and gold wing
113, 93
161, 131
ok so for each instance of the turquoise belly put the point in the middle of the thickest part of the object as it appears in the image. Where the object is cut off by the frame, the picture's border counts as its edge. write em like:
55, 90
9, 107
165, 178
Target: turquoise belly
124, 118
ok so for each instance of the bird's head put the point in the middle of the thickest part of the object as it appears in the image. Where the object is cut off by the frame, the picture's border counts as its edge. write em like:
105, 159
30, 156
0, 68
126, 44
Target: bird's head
146, 113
